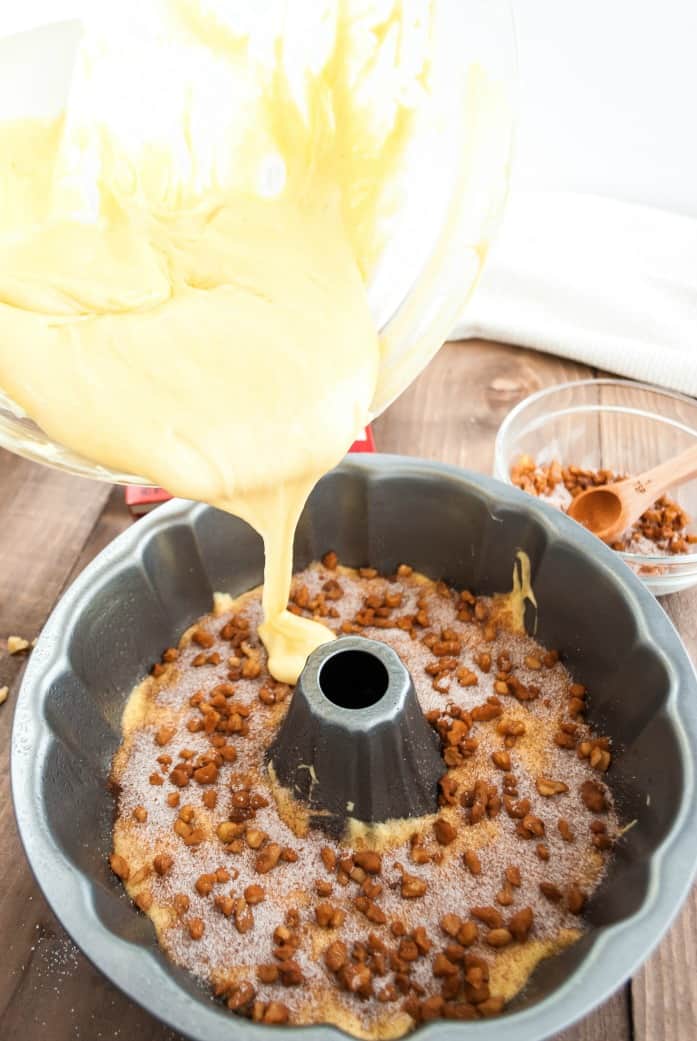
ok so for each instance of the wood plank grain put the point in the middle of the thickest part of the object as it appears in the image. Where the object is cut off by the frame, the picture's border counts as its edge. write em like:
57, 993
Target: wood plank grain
664, 995
611, 1022
454, 408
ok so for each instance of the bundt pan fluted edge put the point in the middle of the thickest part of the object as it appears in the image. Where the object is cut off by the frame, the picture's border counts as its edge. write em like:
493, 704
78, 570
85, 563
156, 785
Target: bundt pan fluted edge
158, 576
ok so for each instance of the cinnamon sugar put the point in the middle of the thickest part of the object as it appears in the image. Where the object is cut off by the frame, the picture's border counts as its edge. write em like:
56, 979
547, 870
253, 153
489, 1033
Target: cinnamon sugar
423, 872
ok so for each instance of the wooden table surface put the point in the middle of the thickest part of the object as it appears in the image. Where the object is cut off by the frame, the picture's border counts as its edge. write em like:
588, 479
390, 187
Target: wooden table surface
52, 525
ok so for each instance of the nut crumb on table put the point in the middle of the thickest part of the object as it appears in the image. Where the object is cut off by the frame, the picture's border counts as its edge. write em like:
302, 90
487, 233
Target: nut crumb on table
17, 644
443, 916
4, 692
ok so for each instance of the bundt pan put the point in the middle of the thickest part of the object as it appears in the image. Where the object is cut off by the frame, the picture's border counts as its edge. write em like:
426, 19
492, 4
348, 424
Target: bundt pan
156, 578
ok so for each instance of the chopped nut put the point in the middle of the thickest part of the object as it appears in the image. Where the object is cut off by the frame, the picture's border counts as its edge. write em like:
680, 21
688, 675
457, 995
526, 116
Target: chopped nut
450, 924
371, 910
575, 899
502, 760
489, 915
268, 858
442, 966
275, 1012
4, 691
328, 858
255, 838
255, 894
445, 832
202, 638
267, 973
244, 919
513, 875
242, 995
16, 644
328, 916
510, 727
140, 814
162, 863
210, 799
530, 826
368, 861
520, 924
408, 950
336, 956
179, 776
164, 735
593, 796
472, 861
412, 886
181, 903
548, 787
224, 904
491, 1006
552, 892
227, 831
143, 902
143, 872
207, 774
467, 934
466, 678
498, 937
600, 759
119, 866
290, 973
204, 884
196, 928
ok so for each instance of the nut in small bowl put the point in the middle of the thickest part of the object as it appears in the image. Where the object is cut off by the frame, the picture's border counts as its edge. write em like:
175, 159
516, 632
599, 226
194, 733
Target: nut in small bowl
567, 437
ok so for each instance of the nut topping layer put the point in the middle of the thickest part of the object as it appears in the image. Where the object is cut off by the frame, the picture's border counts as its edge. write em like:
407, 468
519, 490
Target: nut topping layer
437, 917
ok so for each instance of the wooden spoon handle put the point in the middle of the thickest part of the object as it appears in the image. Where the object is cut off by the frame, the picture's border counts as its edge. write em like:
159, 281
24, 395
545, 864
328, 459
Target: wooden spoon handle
651, 484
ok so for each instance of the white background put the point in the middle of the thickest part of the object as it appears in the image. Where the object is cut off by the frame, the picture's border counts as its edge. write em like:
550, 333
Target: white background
608, 94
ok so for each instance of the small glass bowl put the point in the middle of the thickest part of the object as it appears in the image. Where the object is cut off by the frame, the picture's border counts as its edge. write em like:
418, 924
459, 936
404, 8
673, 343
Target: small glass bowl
616, 424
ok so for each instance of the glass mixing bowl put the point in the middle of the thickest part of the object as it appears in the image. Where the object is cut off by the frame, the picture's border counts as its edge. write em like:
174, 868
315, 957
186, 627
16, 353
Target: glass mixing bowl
616, 424
457, 178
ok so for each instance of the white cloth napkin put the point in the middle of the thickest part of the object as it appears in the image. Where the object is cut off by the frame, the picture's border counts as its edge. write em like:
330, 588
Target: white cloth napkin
608, 283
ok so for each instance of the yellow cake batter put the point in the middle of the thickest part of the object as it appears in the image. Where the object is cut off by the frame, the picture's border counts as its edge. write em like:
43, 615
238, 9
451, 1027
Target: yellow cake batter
183, 256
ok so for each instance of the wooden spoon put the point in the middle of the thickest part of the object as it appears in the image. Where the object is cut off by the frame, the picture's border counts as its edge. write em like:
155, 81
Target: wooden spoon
610, 509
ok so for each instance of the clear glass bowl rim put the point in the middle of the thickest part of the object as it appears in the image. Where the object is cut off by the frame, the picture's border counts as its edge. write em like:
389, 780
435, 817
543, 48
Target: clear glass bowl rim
673, 561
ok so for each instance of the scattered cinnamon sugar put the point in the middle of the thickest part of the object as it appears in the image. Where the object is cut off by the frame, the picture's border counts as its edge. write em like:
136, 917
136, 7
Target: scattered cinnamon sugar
662, 529
290, 925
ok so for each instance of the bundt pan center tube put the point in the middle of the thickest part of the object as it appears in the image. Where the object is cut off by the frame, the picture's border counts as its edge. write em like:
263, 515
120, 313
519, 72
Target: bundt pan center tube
355, 743
155, 579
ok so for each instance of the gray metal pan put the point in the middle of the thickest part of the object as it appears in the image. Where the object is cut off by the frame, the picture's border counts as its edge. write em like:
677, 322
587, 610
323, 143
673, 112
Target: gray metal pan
156, 578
